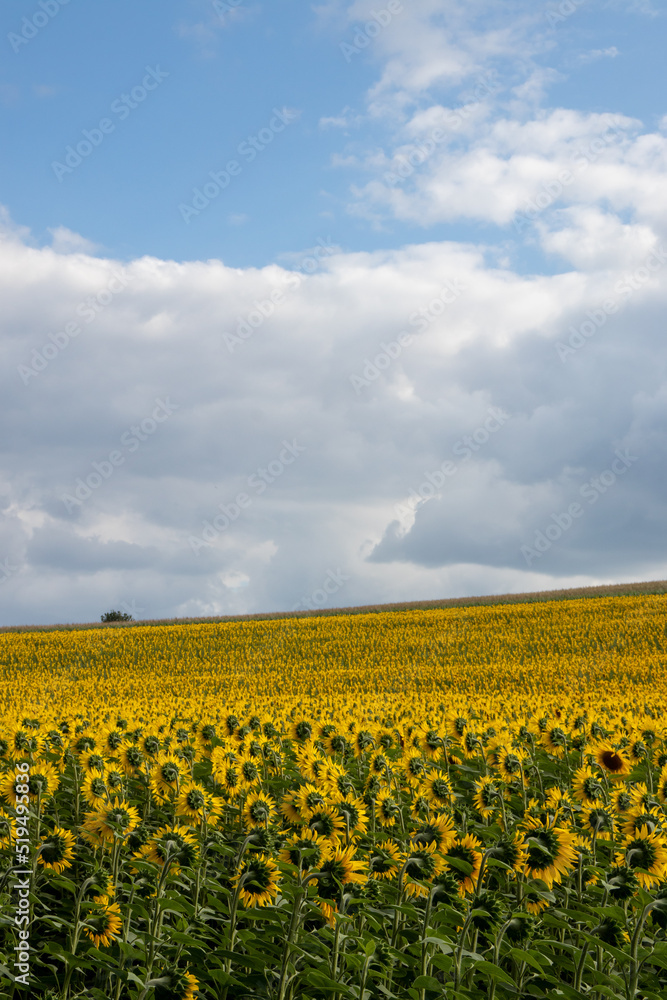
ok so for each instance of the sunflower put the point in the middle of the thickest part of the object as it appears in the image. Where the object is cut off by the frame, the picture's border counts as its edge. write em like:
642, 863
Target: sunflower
259, 810
431, 741
420, 807
662, 786
115, 782
248, 771
557, 800
57, 850
551, 851
43, 781
300, 731
640, 797
555, 741
328, 823
289, 809
385, 738
487, 796
378, 764
93, 762
386, 860
111, 741
131, 759
336, 743
197, 804
176, 985
309, 799
150, 746
387, 808
311, 763
587, 787
598, 820
336, 780
438, 791
204, 739
341, 868
173, 844
109, 823
466, 849
103, 924
306, 849
621, 800
414, 767
95, 790
511, 851
439, 831
421, 865
456, 726
612, 760
165, 778
353, 812
510, 764
362, 742
257, 879
535, 902
24, 742
621, 883
651, 818
645, 853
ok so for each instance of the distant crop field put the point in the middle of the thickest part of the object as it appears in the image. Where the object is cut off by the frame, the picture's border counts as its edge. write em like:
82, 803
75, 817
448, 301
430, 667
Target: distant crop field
460, 802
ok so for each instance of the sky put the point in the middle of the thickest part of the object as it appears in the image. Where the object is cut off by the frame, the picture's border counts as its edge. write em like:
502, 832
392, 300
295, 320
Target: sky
317, 305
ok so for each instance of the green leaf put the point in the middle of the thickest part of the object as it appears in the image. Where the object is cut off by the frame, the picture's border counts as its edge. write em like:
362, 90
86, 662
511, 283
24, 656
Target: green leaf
427, 983
532, 958
494, 971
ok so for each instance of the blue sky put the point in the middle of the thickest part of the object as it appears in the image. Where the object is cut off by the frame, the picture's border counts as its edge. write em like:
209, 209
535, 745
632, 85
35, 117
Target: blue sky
411, 346
226, 74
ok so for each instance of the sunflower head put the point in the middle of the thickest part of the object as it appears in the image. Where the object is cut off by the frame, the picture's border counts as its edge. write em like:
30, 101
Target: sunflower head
57, 850
385, 860
612, 932
103, 922
257, 879
490, 911
175, 845
306, 850
621, 883
176, 985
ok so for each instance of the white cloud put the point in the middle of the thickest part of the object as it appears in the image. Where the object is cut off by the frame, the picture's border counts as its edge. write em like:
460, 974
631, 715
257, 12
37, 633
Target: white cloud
161, 336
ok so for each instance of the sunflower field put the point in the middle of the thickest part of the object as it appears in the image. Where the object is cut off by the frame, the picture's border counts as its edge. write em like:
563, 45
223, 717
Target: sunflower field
460, 803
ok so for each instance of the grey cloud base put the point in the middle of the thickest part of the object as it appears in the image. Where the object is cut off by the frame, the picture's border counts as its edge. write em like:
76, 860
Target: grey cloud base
352, 505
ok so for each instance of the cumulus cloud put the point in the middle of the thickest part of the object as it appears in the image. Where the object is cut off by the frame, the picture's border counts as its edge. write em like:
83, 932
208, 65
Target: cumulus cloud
201, 439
